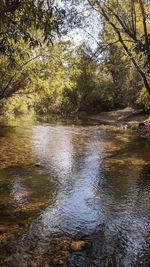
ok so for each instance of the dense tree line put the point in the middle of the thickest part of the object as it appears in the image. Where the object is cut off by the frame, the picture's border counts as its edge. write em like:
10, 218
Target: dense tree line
46, 74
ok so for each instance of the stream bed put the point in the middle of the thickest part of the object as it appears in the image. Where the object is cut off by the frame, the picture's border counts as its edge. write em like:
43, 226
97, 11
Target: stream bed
74, 196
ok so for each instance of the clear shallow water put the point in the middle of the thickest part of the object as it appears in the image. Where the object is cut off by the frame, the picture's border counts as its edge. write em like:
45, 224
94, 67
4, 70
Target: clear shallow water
92, 184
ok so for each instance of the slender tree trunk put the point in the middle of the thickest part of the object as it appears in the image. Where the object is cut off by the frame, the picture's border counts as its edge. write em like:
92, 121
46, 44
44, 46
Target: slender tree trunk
117, 31
7, 91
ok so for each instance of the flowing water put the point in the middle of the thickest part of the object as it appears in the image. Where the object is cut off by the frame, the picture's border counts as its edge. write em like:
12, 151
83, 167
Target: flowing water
84, 184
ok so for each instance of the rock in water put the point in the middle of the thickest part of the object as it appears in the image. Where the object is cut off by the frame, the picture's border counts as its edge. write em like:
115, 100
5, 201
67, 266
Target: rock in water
38, 164
77, 245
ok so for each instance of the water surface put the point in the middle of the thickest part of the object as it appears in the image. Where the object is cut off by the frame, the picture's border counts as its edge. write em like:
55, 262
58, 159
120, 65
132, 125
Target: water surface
90, 183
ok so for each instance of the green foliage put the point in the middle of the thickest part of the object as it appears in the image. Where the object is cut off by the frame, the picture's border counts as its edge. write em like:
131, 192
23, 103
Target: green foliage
143, 100
135, 126
17, 106
70, 79
58, 77
64, 78
21, 21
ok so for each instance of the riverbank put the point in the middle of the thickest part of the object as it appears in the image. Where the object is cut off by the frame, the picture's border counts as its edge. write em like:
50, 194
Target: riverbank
124, 118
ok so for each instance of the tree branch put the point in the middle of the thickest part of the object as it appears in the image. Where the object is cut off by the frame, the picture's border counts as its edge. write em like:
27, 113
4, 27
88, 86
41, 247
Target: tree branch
4, 92
144, 22
2, 95
126, 48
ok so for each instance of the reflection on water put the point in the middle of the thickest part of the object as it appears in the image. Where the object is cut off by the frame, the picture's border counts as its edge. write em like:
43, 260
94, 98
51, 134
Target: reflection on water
92, 183
19, 192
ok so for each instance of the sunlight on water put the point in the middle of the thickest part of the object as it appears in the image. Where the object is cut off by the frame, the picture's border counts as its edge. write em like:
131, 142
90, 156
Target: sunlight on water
88, 183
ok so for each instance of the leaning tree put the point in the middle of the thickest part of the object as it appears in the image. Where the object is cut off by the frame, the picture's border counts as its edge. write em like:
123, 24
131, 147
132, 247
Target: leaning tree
130, 22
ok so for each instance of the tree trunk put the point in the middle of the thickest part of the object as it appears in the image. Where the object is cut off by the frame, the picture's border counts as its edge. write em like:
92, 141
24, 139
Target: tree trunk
117, 31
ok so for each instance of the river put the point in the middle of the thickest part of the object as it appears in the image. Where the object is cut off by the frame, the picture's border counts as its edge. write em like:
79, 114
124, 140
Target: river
84, 184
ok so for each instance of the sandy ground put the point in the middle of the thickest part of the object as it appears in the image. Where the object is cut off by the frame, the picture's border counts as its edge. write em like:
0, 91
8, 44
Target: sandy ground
123, 118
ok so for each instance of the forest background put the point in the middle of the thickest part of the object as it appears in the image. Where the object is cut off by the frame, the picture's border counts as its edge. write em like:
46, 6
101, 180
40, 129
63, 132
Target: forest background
65, 57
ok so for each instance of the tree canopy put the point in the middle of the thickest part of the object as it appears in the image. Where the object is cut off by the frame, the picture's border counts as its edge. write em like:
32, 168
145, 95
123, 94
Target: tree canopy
30, 22
63, 75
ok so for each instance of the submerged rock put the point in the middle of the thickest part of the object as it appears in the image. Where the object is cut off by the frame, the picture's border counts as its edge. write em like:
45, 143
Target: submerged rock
141, 124
77, 245
37, 164
76, 260
144, 130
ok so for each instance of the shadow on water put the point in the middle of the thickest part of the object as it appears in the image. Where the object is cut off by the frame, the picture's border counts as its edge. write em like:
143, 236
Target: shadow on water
86, 202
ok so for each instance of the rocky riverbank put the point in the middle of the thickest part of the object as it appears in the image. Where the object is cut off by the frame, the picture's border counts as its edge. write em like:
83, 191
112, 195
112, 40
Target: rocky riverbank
124, 118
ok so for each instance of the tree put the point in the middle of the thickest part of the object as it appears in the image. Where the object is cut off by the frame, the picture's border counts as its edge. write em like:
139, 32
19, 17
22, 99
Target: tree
26, 29
22, 20
130, 23
86, 80
59, 73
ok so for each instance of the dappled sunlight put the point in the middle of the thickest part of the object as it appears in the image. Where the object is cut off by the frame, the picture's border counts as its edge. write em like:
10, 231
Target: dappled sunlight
89, 183
74, 133
18, 192
14, 148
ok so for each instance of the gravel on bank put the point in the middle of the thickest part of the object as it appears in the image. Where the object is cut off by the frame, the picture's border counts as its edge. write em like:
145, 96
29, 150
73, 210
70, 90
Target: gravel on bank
125, 118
